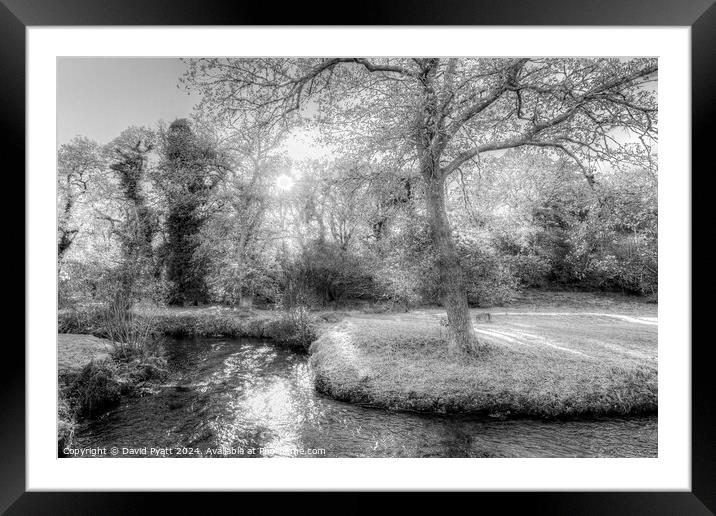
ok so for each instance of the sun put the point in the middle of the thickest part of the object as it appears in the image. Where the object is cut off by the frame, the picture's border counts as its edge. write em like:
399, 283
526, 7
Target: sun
284, 182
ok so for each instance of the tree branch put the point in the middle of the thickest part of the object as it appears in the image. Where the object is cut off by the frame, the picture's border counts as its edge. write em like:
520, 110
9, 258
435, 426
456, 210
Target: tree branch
529, 136
480, 106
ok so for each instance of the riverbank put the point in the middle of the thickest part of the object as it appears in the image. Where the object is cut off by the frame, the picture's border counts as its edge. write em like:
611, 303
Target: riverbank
74, 352
93, 375
295, 331
537, 363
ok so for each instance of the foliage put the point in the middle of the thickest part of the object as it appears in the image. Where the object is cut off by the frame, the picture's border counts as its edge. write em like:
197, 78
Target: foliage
240, 265
66, 422
128, 332
550, 228
198, 212
530, 270
96, 282
399, 284
81, 319
435, 116
96, 387
136, 228
81, 281
324, 272
79, 165
489, 281
295, 328
189, 170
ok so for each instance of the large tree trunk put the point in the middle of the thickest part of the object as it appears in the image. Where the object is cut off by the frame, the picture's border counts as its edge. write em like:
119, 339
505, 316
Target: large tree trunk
431, 137
461, 334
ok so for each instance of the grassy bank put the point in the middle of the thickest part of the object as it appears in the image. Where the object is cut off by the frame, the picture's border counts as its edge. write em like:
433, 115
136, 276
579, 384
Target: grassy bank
294, 331
536, 365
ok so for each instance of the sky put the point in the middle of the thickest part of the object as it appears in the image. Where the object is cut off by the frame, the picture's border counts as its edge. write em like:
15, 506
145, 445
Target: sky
100, 97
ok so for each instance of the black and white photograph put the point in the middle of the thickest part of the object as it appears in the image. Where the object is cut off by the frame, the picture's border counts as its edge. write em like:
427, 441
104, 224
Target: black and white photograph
350, 257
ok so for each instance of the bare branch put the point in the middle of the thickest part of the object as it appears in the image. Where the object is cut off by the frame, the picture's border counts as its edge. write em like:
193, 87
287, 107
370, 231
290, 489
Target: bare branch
530, 136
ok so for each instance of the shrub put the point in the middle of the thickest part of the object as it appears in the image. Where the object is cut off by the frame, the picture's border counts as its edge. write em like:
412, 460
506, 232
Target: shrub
95, 387
127, 331
80, 281
149, 369
144, 368
399, 285
232, 281
325, 272
65, 423
633, 266
295, 328
93, 281
623, 262
530, 270
490, 282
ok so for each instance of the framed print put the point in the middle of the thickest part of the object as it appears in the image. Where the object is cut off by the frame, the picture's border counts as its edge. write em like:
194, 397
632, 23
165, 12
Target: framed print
425, 250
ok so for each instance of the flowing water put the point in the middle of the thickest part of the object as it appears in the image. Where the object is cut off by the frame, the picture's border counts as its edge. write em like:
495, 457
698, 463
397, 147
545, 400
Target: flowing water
247, 398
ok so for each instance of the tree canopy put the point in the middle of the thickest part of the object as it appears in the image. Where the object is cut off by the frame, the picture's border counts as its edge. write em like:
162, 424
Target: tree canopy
451, 181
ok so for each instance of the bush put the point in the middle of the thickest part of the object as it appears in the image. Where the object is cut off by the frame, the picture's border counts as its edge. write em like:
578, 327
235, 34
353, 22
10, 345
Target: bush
399, 285
489, 275
93, 281
295, 328
490, 281
126, 329
128, 332
65, 423
80, 282
530, 270
232, 282
626, 262
324, 272
150, 368
96, 387
633, 266
141, 365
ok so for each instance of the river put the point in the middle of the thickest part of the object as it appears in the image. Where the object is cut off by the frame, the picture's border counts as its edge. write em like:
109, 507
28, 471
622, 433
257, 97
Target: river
247, 398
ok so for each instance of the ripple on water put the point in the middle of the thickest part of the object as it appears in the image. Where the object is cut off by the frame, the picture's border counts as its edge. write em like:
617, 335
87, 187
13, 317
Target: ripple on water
245, 394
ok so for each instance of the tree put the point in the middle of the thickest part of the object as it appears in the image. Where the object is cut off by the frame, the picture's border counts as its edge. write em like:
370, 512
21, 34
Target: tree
189, 170
235, 240
138, 224
79, 162
437, 115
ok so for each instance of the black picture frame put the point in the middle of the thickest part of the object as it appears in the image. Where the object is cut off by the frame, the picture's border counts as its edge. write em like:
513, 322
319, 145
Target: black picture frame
700, 15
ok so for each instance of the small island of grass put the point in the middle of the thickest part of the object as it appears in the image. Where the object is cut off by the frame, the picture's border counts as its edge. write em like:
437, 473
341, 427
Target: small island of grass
532, 365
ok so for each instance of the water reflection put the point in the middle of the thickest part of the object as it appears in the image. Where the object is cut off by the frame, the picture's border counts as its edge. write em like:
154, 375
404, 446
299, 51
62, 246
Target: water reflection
250, 399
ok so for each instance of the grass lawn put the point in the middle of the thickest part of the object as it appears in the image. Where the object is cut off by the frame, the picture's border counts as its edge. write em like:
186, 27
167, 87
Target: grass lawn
540, 362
